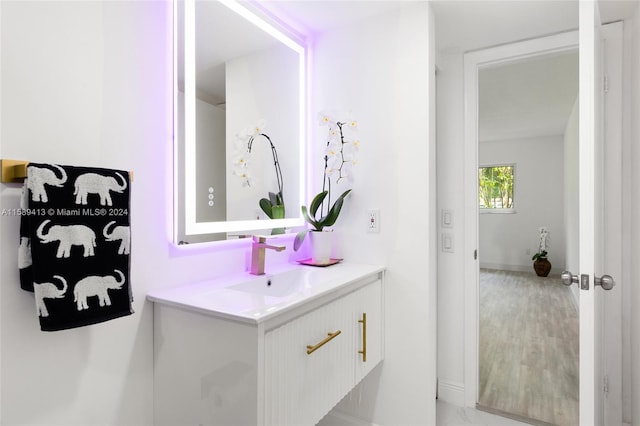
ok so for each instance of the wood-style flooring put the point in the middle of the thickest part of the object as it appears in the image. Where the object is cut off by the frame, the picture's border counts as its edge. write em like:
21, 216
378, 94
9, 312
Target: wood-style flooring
528, 347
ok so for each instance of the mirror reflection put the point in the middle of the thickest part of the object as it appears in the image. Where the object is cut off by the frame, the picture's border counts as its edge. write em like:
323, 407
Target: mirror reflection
240, 123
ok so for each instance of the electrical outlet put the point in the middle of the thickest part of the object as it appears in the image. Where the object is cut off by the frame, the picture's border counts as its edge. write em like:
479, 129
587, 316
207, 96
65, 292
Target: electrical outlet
373, 221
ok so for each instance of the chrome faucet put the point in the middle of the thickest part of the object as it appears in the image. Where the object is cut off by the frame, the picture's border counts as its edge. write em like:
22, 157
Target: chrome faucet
258, 247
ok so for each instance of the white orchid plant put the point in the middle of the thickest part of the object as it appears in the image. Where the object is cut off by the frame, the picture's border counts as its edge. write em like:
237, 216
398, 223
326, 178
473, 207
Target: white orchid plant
339, 163
273, 206
543, 244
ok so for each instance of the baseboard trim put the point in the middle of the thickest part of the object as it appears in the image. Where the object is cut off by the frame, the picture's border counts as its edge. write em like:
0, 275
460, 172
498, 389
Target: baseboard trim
451, 392
504, 267
515, 268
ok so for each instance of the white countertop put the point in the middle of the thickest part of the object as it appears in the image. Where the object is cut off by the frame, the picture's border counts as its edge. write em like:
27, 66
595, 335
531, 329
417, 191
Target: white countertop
215, 297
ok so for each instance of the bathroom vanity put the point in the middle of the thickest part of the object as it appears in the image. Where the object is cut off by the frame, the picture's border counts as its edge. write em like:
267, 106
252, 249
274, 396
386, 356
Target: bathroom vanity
278, 349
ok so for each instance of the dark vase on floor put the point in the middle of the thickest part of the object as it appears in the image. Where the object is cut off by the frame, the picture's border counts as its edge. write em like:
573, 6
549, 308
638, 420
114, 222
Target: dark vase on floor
542, 266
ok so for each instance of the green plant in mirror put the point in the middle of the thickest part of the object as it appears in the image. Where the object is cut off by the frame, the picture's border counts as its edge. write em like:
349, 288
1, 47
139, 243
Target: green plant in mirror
273, 206
339, 161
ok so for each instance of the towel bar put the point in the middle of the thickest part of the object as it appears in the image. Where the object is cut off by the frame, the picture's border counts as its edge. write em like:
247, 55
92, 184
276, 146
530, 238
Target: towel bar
16, 171
13, 170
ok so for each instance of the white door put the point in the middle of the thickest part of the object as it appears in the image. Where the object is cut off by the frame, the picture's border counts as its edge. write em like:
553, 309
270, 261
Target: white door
589, 194
593, 220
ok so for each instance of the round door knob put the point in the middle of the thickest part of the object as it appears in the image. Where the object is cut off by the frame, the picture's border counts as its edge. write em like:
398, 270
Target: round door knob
568, 278
606, 281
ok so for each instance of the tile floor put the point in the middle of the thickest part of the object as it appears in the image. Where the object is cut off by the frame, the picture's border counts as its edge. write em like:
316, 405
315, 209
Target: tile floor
451, 415
446, 415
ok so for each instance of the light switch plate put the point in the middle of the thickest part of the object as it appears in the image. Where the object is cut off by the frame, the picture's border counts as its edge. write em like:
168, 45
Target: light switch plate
447, 242
447, 218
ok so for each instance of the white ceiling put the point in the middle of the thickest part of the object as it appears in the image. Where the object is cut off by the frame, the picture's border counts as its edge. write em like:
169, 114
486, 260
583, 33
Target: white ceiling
528, 98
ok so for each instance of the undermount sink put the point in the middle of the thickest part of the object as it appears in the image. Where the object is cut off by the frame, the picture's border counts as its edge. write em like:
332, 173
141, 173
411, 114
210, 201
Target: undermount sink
276, 285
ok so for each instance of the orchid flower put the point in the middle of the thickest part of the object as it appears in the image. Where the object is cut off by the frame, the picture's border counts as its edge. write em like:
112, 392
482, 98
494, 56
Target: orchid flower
350, 150
325, 118
340, 161
258, 129
242, 160
245, 176
334, 164
347, 170
544, 234
333, 149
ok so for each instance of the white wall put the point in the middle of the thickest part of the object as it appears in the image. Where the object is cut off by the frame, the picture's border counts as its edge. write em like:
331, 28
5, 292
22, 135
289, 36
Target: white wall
85, 83
379, 70
635, 223
507, 241
263, 85
89, 83
450, 171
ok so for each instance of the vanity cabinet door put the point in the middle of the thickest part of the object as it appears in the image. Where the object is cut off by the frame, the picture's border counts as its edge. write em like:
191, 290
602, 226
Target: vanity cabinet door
368, 315
300, 387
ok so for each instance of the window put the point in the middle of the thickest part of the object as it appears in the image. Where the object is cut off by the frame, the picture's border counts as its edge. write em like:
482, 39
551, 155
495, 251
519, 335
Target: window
495, 192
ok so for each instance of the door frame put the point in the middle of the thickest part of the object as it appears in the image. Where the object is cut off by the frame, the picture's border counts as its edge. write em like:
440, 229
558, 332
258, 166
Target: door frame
473, 62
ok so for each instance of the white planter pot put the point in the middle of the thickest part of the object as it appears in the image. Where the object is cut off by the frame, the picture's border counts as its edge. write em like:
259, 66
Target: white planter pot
321, 245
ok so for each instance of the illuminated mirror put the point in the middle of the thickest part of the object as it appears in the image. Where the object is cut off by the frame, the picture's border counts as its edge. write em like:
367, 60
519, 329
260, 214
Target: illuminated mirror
239, 86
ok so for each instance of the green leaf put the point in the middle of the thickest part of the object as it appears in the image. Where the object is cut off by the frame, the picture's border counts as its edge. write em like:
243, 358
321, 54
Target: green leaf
297, 242
265, 205
310, 219
277, 231
542, 254
317, 202
333, 214
274, 199
277, 212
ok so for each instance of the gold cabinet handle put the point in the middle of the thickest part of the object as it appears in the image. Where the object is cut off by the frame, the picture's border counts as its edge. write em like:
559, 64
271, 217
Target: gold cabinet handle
363, 321
312, 348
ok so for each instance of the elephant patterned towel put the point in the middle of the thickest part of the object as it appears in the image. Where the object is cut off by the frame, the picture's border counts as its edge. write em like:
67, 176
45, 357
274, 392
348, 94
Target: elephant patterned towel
74, 244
